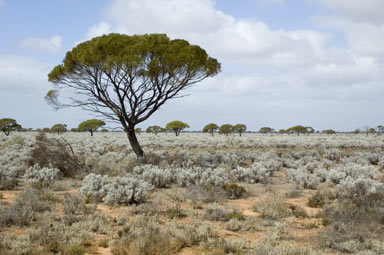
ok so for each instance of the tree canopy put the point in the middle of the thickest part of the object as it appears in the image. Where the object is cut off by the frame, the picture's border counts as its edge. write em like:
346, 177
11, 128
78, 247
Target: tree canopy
297, 129
211, 128
176, 126
128, 78
90, 125
154, 129
239, 128
226, 129
7, 125
266, 130
59, 128
328, 131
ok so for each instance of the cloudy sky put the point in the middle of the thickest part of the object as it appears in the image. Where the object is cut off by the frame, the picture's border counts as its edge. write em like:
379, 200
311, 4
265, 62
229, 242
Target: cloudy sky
317, 63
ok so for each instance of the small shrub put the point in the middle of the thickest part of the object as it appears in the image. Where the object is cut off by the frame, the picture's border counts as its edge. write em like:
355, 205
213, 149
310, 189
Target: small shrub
298, 211
127, 190
95, 186
55, 153
175, 212
75, 249
41, 177
234, 191
272, 208
103, 243
234, 225
214, 212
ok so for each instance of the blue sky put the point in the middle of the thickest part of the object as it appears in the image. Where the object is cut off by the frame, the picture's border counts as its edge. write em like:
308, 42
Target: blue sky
284, 62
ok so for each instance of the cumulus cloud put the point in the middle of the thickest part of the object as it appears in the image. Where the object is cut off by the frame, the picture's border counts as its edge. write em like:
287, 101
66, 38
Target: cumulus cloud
99, 29
357, 10
265, 70
51, 45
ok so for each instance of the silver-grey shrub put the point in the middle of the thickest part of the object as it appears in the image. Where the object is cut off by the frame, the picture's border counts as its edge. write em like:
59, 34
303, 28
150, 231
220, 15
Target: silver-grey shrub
127, 190
44, 177
201, 176
158, 177
256, 173
361, 191
302, 177
95, 186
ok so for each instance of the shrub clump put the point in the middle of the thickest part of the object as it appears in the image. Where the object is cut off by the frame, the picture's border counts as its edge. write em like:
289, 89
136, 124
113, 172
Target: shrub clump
123, 191
41, 177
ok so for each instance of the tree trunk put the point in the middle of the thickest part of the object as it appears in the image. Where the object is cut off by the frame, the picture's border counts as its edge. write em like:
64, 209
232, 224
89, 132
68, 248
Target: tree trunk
134, 142
91, 132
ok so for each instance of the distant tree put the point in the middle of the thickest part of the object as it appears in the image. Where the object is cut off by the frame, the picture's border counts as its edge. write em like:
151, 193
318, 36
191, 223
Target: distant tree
46, 130
297, 129
90, 125
357, 131
154, 129
39, 130
7, 125
176, 126
282, 131
59, 128
74, 130
128, 78
239, 128
104, 130
138, 131
210, 128
328, 131
266, 130
226, 129
380, 129
371, 130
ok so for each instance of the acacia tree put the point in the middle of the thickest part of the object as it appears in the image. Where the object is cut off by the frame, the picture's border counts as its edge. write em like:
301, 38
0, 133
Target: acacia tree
59, 128
127, 78
266, 130
328, 131
154, 129
239, 128
90, 125
211, 128
297, 129
7, 125
176, 126
226, 129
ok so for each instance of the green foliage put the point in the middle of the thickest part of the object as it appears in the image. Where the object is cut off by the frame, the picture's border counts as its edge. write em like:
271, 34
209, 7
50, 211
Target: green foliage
74, 130
59, 128
7, 125
176, 126
239, 128
297, 129
154, 129
90, 125
329, 131
138, 130
266, 130
282, 131
211, 128
136, 75
226, 129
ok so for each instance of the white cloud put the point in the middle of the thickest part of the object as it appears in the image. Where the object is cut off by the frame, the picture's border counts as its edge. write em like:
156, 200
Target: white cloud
273, 73
99, 29
52, 44
357, 10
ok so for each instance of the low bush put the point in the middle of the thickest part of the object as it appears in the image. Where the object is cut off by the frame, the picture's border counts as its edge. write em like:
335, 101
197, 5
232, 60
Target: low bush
272, 207
41, 177
55, 153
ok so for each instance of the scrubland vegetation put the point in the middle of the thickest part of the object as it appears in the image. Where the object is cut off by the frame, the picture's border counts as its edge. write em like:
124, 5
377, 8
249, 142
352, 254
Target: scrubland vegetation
273, 194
